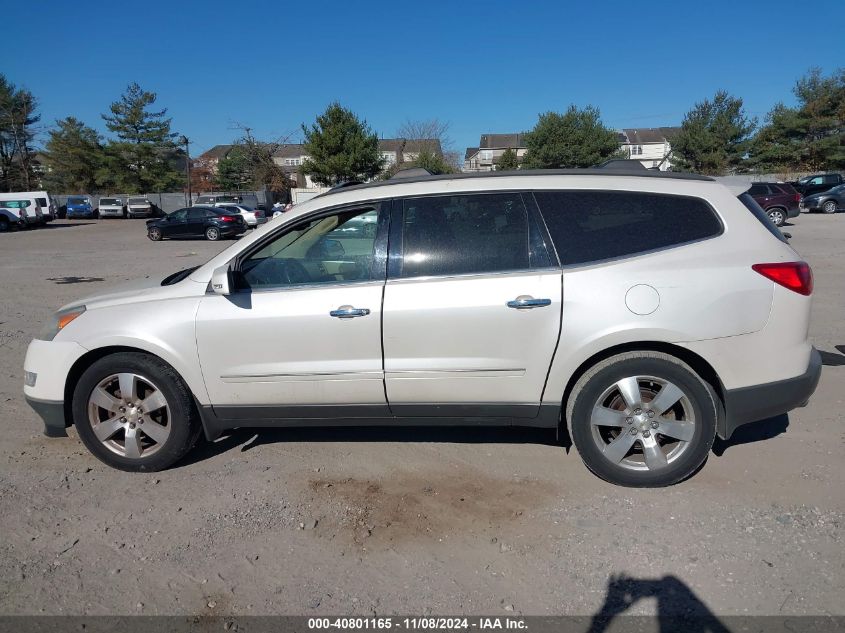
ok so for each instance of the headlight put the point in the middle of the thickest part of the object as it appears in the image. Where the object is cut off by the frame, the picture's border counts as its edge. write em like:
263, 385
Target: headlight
58, 323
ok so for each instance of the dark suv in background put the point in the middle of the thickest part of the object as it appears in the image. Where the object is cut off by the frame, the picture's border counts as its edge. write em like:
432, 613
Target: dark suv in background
779, 200
814, 184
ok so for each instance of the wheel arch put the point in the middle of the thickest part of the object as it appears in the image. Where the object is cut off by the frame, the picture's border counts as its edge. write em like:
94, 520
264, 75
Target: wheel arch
90, 357
703, 368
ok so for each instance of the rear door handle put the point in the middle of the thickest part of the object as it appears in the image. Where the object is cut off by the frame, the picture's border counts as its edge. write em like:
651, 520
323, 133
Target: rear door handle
348, 312
526, 302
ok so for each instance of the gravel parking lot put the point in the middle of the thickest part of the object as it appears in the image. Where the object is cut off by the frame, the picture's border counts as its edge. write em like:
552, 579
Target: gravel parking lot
364, 521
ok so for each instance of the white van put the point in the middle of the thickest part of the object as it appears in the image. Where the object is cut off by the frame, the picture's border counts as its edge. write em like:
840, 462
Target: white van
48, 207
33, 214
13, 214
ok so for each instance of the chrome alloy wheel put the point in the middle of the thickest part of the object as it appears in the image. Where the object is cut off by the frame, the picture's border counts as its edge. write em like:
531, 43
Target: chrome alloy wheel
642, 423
129, 415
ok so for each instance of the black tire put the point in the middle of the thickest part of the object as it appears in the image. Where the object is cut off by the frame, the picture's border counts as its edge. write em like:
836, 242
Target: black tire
184, 422
829, 206
154, 234
777, 216
212, 234
4, 224
588, 391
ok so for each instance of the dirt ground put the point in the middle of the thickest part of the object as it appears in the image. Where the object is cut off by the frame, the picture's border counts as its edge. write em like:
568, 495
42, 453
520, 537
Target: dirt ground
413, 521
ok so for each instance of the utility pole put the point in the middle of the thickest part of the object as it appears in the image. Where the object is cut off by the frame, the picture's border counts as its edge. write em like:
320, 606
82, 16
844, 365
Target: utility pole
185, 141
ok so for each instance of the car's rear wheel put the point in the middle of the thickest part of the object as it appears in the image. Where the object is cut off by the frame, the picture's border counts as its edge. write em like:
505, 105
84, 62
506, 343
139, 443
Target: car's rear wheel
777, 216
642, 419
212, 234
154, 233
829, 206
133, 412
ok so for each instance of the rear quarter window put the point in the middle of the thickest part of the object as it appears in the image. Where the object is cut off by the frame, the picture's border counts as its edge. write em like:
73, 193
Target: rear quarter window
590, 226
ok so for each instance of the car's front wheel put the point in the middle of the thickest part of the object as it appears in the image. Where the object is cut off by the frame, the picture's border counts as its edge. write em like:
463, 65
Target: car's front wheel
154, 233
642, 419
133, 412
212, 234
777, 216
829, 206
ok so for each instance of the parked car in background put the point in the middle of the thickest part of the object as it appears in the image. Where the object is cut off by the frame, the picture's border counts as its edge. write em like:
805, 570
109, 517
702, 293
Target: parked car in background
111, 208
209, 199
507, 300
39, 199
139, 207
252, 217
49, 211
809, 185
827, 201
13, 214
212, 223
79, 207
779, 200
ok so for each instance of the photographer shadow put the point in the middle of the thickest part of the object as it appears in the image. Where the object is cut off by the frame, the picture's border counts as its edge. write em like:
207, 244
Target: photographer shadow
678, 608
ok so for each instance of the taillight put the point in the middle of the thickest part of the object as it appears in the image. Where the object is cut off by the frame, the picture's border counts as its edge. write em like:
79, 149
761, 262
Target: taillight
797, 197
259, 214
227, 218
796, 276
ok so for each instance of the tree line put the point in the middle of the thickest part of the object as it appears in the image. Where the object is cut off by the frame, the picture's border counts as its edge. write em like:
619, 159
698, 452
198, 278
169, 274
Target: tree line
143, 153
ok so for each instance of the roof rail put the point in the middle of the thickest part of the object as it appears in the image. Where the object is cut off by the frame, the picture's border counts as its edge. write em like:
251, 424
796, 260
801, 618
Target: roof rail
410, 172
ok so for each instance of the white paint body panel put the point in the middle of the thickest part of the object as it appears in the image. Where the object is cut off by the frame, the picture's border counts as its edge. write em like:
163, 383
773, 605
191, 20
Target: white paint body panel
450, 340
282, 347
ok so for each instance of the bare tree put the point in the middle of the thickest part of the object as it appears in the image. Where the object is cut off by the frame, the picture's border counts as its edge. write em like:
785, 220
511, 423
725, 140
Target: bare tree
433, 131
260, 159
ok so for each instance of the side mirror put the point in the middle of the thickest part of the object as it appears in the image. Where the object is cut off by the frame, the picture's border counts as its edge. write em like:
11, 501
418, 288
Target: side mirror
221, 280
787, 235
333, 248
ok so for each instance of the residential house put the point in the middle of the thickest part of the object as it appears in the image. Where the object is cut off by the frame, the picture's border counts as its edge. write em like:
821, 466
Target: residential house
651, 146
490, 149
392, 150
210, 158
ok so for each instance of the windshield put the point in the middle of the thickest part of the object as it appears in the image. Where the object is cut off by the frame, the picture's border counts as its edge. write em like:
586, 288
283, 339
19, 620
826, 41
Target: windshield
111, 201
77, 200
138, 201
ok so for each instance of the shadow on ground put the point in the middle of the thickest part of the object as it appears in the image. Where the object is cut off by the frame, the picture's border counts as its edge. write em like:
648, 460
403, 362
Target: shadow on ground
678, 608
247, 439
754, 432
832, 359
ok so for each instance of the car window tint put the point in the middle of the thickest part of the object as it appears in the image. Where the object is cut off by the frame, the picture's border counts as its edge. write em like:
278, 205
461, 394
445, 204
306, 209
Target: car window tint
588, 226
328, 250
181, 214
758, 190
197, 214
464, 234
41, 201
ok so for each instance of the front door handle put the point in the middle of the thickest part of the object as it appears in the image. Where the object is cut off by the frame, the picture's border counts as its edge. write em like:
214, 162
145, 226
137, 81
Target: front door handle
348, 312
526, 302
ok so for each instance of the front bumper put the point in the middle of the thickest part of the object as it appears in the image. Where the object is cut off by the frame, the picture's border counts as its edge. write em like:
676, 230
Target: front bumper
759, 402
52, 412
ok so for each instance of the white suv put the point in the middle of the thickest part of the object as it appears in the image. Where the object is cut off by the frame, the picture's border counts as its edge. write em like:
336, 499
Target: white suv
647, 313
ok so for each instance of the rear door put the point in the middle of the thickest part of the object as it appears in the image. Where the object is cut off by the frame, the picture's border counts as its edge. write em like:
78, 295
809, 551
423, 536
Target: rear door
472, 307
195, 224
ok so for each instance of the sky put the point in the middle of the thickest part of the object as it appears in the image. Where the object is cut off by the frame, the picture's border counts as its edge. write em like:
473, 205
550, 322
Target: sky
483, 67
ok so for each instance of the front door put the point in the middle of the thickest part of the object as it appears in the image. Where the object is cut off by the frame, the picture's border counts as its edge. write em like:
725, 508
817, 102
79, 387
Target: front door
472, 308
176, 223
300, 337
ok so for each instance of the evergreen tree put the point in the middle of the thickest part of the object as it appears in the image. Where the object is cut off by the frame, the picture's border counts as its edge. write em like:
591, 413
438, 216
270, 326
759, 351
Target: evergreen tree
74, 158
17, 118
714, 136
808, 137
142, 157
508, 161
576, 138
341, 148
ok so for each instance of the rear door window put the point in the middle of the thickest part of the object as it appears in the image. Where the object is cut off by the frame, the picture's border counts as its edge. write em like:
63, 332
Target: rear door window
590, 226
758, 190
464, 234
